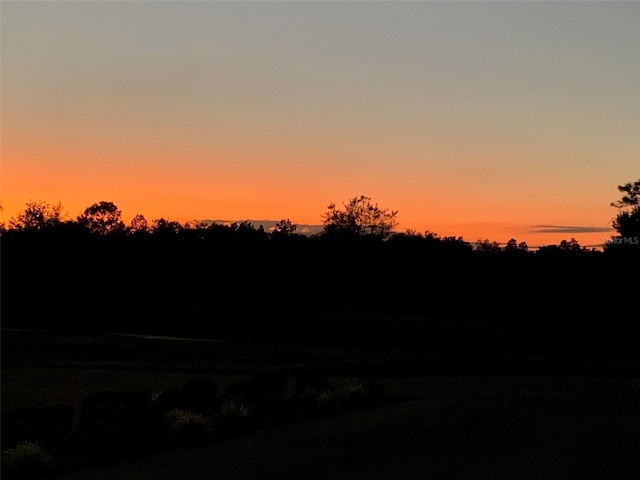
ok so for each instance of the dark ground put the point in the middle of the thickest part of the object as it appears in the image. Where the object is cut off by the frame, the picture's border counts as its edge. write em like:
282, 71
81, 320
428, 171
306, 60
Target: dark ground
460, 417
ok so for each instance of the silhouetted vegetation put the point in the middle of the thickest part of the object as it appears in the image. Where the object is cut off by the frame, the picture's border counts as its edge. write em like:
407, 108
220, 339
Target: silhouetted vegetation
113, 425
425, 304
165, 277
359, 218
627, 222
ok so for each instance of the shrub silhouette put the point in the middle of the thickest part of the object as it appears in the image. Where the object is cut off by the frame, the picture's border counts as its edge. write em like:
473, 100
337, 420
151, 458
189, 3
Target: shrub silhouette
47, 425
360, 393
356, 393
314, 380
26, 460
234, 417
187, 426
240, 391
113, 424
316, 401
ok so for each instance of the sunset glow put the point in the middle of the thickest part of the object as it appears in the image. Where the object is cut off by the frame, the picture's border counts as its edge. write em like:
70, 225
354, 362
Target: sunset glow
486, 120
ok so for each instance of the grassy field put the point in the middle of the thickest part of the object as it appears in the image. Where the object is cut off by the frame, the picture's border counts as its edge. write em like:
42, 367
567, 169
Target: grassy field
453, 417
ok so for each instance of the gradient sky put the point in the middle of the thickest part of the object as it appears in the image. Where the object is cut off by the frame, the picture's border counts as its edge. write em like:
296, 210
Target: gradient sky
487, 120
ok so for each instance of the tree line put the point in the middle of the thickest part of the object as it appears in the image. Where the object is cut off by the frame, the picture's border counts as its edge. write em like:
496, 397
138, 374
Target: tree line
95, 271
359, 219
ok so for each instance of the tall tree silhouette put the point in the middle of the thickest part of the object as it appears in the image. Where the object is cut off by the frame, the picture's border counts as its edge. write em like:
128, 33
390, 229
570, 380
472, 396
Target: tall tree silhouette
627, 222
360, 217
102, 218
285, 227
139, 225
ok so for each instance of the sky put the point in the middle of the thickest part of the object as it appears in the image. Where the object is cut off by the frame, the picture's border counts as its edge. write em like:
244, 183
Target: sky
481, 119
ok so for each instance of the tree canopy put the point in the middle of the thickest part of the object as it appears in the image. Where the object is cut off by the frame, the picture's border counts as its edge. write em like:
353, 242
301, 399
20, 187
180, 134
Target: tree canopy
357, 263
102, 218
627, 222
360, 217
37, 215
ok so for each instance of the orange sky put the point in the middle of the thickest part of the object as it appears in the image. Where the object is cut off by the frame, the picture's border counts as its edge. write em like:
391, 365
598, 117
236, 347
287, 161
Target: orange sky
179, 194
477, 119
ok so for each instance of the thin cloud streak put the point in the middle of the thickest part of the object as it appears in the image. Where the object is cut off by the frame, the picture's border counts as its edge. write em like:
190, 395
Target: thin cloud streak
567, 229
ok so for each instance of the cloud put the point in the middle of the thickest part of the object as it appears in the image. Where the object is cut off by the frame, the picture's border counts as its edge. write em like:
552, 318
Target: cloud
567, 229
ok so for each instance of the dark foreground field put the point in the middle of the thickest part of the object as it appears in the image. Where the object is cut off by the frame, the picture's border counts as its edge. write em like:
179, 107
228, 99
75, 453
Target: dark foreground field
476, 416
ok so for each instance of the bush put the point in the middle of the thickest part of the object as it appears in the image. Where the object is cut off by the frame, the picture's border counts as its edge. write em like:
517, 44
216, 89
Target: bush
312, 380
234, 409
188, 425
47, 425
27, 459
362, 393
319, 400
356, 394
234, 416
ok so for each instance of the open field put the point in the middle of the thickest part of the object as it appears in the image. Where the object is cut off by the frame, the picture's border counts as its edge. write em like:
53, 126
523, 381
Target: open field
454, 417
458, 428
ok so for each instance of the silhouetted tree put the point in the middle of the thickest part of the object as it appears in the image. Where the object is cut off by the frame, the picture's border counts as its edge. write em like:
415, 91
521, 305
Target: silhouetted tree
247, 231
162, 226
570, 245
102, 218
564, 247
37, 215
138, 225
217, 232
285, 227
359, 218
194, 225
513, 246
407, 238
455, 245
631, 197
627, 222
488, 246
